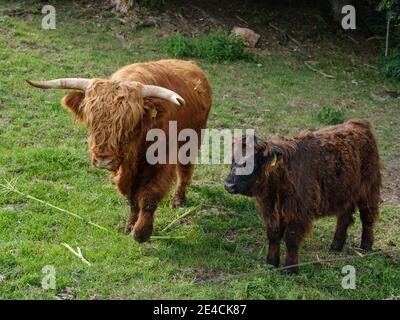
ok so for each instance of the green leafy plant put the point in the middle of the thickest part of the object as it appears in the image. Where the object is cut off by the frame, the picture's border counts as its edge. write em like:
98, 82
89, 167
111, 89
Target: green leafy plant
219, 46
392, 10
178, 46
215, 47
392, 7
390, 65
330, 115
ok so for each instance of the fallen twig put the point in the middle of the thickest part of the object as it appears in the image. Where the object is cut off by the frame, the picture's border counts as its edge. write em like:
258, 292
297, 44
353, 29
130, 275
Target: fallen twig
284, 33
318, 71
166, 237
241, 19
78, 253
10, 187
352, 39
375, 38
180, 217
318, 261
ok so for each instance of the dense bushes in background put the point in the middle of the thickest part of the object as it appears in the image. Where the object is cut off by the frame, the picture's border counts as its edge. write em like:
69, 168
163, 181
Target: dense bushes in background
178, 46
390, 65
216, 46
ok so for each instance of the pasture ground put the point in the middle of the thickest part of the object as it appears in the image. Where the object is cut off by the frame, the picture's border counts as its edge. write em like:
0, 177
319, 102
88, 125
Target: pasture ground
222, 253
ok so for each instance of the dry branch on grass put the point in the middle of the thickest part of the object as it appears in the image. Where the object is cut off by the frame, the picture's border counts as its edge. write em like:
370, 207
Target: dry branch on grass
78, 253
9, 186
318, 71
167, 237
317, 261
285, 34
180, 217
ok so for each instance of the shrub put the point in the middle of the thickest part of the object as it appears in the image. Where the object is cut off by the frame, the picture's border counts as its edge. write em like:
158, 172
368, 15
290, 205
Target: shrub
215, 47
219, 46
178, 46
390, 65
329, 115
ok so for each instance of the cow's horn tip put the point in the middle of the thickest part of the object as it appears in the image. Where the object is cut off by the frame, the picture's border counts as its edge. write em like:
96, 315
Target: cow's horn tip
180, 100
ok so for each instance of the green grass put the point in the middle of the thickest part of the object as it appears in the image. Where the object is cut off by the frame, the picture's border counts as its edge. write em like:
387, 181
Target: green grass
222, 254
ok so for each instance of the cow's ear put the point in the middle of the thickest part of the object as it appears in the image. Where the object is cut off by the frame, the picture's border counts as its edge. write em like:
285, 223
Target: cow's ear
72, 101
272, 157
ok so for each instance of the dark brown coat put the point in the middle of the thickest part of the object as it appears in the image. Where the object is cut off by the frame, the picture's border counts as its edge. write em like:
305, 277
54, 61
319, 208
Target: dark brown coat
331, 171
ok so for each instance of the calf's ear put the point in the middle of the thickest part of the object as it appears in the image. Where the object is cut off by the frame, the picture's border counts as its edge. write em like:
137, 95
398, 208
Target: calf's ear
272, 157
72, 101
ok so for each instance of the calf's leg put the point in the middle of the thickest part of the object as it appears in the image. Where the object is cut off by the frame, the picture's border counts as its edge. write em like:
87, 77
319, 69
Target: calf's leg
343, 221
274, 239
369, 212
294, 234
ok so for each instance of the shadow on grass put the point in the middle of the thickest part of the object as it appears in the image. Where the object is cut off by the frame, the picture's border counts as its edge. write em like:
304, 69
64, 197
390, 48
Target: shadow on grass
227, 237
224, 234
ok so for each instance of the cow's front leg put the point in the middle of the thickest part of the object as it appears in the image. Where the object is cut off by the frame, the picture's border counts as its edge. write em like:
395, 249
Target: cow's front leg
133, 215
143, 227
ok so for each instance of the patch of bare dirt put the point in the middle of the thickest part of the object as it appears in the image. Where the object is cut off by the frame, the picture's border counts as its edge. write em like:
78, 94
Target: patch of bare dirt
283, 26
4, 120
66, 294
232, 235
391, 182
205, 275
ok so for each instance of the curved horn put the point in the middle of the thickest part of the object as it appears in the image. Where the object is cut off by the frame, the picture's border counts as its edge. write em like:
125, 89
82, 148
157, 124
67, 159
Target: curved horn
65, 83
163, 93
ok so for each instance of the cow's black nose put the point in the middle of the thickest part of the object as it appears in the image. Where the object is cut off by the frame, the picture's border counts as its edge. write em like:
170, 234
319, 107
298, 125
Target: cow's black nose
230, 187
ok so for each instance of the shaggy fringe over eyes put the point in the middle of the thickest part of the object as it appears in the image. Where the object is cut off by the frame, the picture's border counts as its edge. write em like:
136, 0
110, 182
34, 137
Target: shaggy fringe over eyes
286, 145
111, 112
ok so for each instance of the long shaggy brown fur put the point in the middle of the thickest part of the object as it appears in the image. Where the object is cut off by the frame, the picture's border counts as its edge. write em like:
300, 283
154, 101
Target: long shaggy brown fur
332, 171
118, 120
112, 125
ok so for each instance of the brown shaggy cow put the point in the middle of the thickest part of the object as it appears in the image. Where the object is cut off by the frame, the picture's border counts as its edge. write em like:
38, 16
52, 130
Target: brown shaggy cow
331, 171
119, 112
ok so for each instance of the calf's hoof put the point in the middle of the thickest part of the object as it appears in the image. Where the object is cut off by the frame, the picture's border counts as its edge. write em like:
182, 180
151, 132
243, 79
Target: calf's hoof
366, 247
177, 201
273, 261
290, 270
336, 246
142, 234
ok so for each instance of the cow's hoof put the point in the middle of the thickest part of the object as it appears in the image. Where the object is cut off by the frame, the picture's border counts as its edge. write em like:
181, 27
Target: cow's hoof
128, 228
143, 234
177, 202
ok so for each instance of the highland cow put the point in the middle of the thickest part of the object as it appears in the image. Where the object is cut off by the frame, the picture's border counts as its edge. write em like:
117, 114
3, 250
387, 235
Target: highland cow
331, 171
121, 110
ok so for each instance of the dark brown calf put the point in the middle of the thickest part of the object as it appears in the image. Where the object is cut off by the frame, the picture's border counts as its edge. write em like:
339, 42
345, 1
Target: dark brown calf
331, 171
